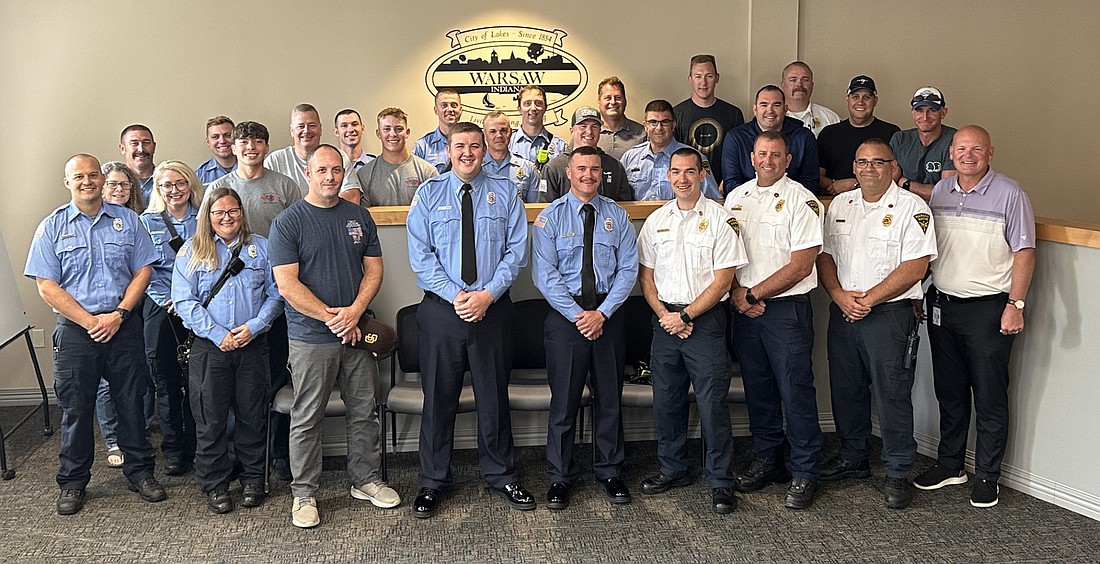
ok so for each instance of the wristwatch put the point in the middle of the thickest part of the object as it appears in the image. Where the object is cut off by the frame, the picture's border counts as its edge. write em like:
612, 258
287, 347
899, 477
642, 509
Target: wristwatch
685, 316
1018, 304
124, 313
750, 298
906, 185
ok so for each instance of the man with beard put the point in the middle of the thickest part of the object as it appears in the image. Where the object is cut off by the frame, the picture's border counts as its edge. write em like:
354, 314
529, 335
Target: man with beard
137, 145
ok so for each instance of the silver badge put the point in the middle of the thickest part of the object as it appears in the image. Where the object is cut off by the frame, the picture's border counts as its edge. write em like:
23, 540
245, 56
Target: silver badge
252, 252
608, 225
491, 197
118, 224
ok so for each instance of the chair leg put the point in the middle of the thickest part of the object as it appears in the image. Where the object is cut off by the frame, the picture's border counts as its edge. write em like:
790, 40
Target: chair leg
267, 451
382, 417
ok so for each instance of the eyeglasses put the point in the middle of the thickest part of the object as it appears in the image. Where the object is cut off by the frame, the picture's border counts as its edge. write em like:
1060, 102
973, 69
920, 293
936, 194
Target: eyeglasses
659, 122
113, 185
878, 163
231, 212
177, 185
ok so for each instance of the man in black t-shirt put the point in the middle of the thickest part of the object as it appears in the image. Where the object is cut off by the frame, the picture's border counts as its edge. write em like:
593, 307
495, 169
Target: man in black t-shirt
703, 120
837, 143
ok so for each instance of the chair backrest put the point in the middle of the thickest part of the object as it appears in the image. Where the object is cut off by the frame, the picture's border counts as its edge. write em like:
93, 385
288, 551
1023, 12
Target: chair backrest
639, 329
408, 351
528, 334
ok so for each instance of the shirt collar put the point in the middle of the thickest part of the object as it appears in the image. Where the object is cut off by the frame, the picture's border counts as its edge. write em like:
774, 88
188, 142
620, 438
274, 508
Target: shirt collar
980, 188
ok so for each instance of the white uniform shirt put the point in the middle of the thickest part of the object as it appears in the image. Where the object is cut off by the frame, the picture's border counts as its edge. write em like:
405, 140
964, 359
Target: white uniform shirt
775, 222
869, 240
684, 248
815, 117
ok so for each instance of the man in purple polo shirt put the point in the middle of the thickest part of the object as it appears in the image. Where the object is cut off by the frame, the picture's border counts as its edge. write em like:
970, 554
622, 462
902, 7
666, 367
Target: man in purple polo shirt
985, 231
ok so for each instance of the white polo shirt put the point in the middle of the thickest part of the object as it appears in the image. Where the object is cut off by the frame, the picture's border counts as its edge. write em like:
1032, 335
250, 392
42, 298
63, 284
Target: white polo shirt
684, 248
869, 240
775, 222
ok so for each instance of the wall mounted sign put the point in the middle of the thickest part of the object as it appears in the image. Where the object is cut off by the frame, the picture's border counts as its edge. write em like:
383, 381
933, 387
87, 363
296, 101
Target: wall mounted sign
487, 66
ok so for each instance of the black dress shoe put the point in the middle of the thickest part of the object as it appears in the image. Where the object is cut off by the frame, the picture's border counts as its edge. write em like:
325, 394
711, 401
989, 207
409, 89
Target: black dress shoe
616, 490
896, 493
426, 503
253, 495
723, 500
70, 502
515, 495
661, 483
800, 494
837, 468
282, 469
557, 497
761, 473
150, 490
176, 467
219, 501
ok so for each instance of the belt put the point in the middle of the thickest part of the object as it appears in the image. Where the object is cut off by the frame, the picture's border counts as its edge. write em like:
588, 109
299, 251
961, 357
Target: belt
799, 298
62, 320
599, 300
957, 300
675, 307
892, 306
437, 298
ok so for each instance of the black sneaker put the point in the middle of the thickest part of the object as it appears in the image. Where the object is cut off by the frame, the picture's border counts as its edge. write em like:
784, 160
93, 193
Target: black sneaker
896, 493
939, 476
761, 473
70, 502
150, 490
837, 468
984, 494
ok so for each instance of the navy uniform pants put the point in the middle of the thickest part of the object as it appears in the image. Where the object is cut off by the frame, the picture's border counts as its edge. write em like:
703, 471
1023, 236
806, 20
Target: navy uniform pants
970, 362
869, 355
220, 381
570, 358
775, 353
78, 364
164, 332
447, 345
701, 361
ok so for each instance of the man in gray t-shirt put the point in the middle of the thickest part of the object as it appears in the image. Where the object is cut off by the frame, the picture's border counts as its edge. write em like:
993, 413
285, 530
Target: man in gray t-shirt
923, 153
391, 179
264, 193
305, 130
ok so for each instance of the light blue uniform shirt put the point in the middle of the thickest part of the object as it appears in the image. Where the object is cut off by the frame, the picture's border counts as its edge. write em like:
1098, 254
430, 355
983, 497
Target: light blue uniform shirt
435, 235
648, 173
249, 298
146, 188
557, 247
92, 259
160, 287
518, 170
210, 171
432, 147
525, 146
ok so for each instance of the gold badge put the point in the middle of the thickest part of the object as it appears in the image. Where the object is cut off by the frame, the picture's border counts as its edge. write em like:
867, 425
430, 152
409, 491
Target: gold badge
887, 220
813, 206
736, 207
520, 174
703, 225
779, 205
706, 166
922, 221
491, 197
609, 225
732, 222
118, 224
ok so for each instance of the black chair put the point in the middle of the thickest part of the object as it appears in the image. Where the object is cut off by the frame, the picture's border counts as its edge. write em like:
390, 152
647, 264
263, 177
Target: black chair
406, 396
283, 403
531, 392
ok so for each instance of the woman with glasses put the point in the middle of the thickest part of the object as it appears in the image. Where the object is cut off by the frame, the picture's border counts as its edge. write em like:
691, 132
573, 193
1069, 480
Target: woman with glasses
122, 188
170, 220
228, 365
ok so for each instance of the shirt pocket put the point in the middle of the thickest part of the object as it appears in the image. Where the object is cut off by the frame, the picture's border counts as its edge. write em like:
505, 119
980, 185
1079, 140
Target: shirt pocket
604, 251
774, 233
884, 251
445, 230
666, 247
840, 236
73, 254
118, 251
492, 228
570, 251
700, 251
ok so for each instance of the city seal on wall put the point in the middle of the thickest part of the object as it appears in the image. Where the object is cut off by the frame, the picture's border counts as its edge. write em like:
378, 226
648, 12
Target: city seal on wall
488, 66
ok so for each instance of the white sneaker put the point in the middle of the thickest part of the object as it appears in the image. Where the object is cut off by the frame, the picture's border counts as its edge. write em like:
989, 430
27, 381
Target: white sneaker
378, 493
305, 514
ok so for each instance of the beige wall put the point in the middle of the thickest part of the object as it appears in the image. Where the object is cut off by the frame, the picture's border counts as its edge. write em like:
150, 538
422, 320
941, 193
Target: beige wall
75, 73
1027, 71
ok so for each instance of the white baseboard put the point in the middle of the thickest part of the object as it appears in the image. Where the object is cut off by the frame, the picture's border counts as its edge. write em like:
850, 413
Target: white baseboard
1050, 491
25, 396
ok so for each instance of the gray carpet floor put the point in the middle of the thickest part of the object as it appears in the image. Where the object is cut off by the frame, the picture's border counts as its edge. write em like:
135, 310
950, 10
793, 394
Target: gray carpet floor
848, 523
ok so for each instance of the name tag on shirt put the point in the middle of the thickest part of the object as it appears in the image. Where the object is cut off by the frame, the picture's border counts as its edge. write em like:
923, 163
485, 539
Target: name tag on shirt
443, 208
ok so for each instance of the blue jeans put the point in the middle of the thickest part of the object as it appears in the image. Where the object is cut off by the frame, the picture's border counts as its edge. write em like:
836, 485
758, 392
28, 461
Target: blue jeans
108, 416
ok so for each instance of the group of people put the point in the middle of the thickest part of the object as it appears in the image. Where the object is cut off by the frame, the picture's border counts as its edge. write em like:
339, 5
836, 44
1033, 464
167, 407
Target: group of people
221, 251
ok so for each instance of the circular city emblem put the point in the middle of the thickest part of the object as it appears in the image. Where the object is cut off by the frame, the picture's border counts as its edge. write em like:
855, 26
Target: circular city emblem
488, 66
